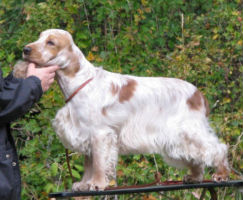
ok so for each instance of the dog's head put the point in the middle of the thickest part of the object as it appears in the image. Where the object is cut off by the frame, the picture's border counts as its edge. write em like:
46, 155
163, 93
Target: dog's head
54, 47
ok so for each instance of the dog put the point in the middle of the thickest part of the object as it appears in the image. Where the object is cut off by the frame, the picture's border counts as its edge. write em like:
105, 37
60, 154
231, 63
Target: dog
117, 114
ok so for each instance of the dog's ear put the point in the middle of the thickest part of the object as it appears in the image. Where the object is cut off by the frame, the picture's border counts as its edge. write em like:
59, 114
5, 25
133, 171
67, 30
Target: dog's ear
20, 69
73, 66
70, 48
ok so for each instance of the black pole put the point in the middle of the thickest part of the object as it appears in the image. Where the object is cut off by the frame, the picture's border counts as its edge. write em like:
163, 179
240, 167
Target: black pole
157, 188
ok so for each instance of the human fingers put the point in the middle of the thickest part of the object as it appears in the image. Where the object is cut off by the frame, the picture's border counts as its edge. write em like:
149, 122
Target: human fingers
51, 81
47, 84
32, 65
52, 75
53, 68
30, 69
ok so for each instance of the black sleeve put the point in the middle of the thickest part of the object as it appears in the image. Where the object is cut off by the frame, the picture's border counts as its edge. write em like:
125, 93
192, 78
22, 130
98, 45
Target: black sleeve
17, 96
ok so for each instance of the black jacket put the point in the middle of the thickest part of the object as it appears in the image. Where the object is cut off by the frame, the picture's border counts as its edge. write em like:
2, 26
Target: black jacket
16, 98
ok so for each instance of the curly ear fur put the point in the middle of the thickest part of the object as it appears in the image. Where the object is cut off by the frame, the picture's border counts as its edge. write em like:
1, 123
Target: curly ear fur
20, 69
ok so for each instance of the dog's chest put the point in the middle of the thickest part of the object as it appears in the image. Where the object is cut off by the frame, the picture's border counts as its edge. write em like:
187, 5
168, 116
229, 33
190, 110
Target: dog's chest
73, 132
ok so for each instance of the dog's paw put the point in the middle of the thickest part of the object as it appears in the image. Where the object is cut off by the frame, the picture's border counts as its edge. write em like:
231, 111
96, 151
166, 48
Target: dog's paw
220, 177
94, 185
79, 186
191, 179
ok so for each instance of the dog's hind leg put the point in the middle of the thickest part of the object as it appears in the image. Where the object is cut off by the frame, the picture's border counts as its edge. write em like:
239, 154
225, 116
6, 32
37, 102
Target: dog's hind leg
196, 175
221, 164
196, 169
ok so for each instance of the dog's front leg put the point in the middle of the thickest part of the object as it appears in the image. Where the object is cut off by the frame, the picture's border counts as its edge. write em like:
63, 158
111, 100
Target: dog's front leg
101, 157
82, 185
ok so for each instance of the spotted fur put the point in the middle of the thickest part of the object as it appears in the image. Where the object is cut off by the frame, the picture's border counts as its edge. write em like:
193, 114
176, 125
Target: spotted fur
121, 114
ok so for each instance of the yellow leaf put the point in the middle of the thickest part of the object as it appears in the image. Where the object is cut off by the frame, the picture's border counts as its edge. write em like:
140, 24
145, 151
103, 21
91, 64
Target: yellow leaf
140, 11
149, 72
147, 10
2, 21
226, 100
95, 48
112, 182
144, 2
178, 58
90, 56
180, 46
136, 18
98, 59
240, 42
235, 13
70, 30
208, 60
241, 165
215, 36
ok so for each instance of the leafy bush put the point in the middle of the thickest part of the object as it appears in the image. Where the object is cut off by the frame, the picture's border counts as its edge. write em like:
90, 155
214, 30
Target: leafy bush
199, 41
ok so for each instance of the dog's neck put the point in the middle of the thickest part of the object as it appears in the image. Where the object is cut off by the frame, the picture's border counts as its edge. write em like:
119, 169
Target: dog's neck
69, 82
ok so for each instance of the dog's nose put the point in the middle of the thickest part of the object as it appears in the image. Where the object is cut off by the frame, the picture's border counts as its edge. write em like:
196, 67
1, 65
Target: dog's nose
27, 50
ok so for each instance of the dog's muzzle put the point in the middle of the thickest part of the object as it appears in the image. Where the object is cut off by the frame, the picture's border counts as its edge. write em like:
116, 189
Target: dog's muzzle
27, 50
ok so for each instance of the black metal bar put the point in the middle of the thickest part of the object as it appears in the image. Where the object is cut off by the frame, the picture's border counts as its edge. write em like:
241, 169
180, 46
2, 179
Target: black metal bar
157, 188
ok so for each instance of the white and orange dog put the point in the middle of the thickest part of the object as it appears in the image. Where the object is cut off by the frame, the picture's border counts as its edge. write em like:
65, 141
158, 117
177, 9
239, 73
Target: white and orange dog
122, 114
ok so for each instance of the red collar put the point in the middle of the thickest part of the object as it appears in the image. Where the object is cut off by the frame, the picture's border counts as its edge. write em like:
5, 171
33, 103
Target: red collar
77, 90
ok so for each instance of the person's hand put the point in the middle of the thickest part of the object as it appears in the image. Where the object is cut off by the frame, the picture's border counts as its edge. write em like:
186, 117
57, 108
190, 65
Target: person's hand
46, 74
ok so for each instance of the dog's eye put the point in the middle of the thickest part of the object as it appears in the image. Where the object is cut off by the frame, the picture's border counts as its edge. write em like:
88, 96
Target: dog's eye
50, 43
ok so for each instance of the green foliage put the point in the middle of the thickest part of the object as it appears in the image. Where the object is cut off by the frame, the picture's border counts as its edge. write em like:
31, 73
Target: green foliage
199, 41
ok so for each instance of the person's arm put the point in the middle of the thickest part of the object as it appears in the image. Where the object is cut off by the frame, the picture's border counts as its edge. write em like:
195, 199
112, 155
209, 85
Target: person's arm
17, 96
